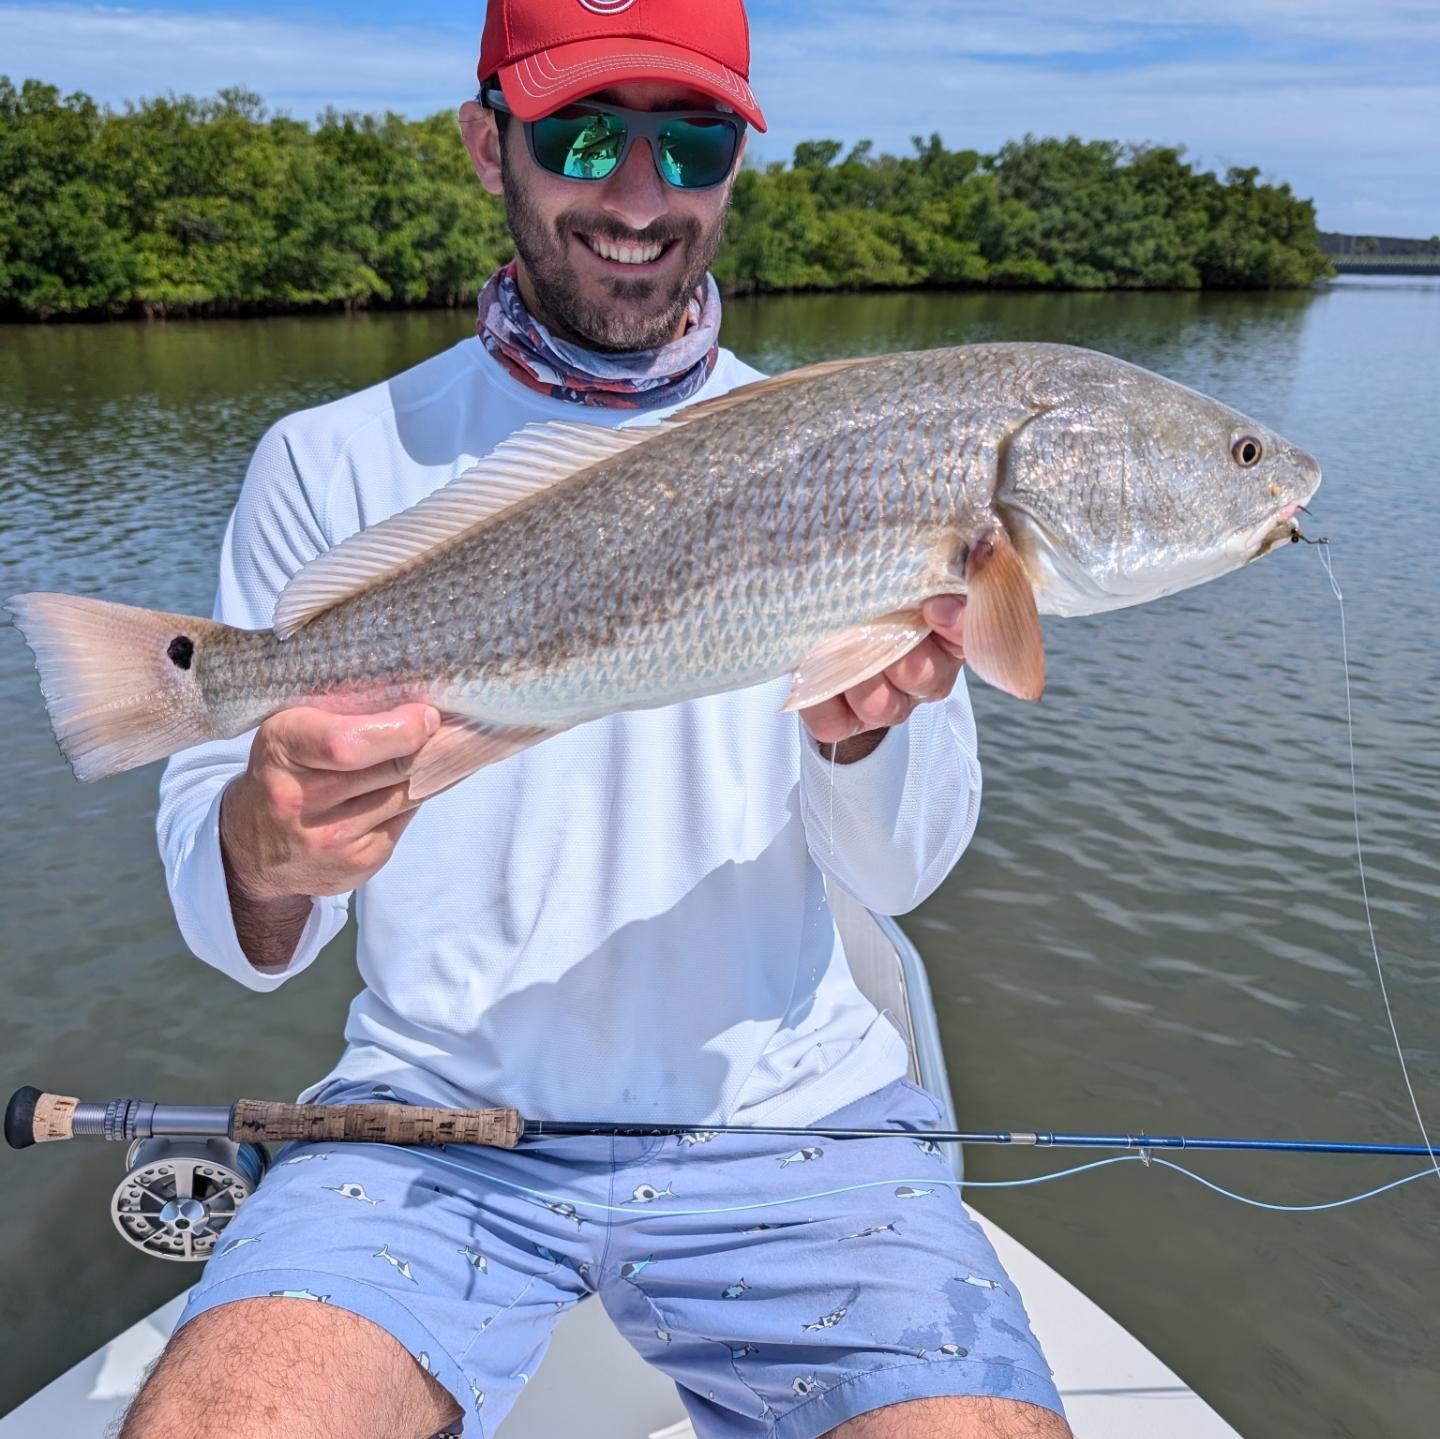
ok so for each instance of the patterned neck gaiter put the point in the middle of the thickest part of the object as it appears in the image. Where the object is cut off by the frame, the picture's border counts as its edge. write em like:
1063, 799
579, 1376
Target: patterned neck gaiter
638, 380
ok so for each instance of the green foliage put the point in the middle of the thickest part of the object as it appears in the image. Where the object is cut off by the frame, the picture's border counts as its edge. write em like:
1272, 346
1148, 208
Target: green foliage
1061, 214
182, 205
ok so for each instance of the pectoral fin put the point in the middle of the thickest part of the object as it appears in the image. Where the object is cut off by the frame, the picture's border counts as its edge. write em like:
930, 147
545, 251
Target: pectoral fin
1003, 643
854, 655
460, 747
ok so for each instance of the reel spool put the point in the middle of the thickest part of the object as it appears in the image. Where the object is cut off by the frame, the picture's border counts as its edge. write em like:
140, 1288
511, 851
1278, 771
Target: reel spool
180, 1193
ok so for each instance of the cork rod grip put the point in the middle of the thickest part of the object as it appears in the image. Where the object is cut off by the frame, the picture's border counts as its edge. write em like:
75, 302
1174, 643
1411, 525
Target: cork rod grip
258, 1119
33, 1117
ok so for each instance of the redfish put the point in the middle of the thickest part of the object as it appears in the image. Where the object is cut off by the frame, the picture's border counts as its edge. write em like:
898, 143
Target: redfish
795, 526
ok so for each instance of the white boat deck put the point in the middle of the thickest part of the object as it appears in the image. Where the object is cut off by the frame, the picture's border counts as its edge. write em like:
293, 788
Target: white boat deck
593, 1384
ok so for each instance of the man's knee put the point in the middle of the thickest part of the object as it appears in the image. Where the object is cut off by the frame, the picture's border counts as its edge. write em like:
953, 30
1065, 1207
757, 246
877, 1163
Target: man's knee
263, 1368
957, 1417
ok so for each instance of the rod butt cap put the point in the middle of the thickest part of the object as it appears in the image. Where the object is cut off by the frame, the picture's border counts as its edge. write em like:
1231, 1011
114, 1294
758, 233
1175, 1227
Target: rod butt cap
20, 1117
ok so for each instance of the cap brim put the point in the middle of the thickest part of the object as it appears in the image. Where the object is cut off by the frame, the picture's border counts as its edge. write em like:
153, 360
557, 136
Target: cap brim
540, 83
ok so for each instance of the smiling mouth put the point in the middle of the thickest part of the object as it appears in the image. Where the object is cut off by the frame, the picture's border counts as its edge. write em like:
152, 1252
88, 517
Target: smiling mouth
627, 252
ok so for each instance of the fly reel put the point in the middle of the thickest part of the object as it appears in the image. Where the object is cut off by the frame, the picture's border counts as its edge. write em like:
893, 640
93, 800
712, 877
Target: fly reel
180, 1193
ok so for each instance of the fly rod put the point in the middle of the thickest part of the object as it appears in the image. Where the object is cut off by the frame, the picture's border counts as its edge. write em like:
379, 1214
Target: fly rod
34, 1117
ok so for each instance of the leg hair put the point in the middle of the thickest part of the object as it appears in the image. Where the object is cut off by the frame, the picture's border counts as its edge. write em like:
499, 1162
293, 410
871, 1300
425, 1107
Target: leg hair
958, 1417
275, 1368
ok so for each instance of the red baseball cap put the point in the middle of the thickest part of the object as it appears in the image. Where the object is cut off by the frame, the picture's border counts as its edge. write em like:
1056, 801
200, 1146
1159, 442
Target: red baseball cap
550, 52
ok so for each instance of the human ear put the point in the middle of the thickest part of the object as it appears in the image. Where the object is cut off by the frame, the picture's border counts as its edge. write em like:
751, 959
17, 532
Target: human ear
482, 140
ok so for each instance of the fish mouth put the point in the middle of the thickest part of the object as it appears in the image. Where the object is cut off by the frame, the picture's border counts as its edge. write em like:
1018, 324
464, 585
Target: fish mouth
1280, 528
1066, 586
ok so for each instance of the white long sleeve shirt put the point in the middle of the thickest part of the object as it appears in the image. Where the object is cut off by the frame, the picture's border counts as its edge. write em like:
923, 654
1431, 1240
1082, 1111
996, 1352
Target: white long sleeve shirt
627, 922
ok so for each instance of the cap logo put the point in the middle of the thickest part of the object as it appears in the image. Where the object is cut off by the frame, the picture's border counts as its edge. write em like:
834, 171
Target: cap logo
606, 7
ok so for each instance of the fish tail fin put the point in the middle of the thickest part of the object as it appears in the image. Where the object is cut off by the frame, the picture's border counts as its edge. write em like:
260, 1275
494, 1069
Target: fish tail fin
121, 684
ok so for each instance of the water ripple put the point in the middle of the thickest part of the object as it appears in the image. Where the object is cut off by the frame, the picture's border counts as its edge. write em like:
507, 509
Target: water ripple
1158, 924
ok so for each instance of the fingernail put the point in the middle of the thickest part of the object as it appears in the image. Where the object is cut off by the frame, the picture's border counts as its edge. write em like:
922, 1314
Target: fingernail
432, 720
946, 611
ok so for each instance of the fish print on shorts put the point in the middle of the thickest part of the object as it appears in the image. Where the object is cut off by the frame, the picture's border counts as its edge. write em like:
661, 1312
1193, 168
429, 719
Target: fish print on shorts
648, 1194
908, 1191
828, 1321
738, 1352
235, 1244
802, 1156
868, 1231
633, 1267
980, 1283
400, 1266
696, 1136
475, 1259
566, 1211
351, 1191
299, 1294
734, 1291
302, 1159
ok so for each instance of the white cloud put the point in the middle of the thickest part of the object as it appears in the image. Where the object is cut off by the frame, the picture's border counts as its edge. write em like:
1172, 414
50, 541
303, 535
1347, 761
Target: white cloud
1342, 104
300, 65
1339, 99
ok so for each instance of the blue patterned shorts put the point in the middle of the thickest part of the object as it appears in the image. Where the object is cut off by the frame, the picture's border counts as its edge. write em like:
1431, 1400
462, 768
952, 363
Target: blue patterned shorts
816, 1282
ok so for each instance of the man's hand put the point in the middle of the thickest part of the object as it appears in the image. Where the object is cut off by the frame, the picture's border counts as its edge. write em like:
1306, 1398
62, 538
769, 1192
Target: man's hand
318, 811
856, 721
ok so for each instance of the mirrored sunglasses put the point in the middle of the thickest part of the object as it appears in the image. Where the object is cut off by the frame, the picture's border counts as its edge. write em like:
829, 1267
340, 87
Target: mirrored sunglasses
693, 149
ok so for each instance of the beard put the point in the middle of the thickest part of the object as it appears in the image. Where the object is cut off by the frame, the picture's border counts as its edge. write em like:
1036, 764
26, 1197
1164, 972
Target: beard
638, 314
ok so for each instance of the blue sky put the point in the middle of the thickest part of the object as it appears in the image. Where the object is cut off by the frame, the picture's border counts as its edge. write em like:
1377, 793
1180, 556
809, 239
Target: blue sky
1339, 97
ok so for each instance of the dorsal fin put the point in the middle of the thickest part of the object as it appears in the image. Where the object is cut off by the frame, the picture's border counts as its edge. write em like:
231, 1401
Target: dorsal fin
534, 459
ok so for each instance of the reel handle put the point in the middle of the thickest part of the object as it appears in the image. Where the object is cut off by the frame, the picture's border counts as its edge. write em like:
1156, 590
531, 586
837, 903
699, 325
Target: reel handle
259, 1120
33, 1117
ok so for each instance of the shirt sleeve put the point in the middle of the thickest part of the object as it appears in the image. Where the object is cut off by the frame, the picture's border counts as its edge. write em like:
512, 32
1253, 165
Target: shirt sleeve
891, 826
274, 530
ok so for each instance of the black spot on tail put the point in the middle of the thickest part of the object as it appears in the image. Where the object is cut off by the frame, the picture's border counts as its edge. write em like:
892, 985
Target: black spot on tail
181, 651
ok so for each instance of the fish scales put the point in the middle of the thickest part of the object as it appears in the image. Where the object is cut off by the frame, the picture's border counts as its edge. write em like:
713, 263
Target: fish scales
724, 550
683, 548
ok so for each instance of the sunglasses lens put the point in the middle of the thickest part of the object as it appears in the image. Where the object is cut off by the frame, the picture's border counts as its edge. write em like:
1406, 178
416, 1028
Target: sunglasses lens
578, 143
695, 153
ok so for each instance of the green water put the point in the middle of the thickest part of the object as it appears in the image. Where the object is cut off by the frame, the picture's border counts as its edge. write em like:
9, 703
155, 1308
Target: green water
1157, 927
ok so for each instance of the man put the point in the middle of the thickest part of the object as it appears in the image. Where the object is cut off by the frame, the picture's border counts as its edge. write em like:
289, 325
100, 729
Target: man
626, 922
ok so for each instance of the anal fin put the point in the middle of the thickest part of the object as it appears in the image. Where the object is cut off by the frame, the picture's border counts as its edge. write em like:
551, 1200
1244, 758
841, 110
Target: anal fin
1003, 642
854, 655
460, 747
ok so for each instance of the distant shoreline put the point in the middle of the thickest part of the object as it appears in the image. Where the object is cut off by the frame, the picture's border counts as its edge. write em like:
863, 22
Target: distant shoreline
213, 208
267, 310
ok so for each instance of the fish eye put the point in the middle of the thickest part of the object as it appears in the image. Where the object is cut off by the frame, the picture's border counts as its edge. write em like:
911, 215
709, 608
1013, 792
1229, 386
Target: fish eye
1247, 451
